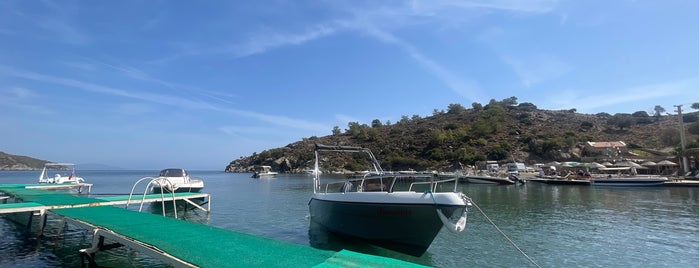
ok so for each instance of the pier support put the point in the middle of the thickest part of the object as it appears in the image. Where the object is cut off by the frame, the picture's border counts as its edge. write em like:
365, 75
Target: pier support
98, 245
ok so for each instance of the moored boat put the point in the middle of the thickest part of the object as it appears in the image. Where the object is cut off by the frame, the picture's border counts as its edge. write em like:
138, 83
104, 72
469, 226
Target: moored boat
176, 180
487, 179
261, 172
625, 177
628, 181
59, 178
374, 209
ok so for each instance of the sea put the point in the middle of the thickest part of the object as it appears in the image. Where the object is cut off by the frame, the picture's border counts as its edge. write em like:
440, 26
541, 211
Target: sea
525, 225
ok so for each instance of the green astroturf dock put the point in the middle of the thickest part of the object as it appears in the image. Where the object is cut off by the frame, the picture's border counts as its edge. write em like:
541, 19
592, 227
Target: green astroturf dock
199, 244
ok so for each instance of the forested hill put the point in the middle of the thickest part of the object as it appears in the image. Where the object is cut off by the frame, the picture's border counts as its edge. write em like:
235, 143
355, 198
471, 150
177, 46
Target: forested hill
19, 162
500, 130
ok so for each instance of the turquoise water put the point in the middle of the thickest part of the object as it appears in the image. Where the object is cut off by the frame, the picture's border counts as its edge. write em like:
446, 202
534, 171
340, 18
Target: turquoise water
556, 225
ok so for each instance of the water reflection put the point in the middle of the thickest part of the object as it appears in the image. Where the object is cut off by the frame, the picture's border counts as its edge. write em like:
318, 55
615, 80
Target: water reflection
319, 237
185, 211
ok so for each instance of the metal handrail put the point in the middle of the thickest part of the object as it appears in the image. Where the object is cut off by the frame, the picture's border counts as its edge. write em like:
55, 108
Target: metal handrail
162, 193
433, 184
393, 177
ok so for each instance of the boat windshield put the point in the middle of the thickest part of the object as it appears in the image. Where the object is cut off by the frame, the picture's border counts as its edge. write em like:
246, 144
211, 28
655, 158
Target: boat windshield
172, 172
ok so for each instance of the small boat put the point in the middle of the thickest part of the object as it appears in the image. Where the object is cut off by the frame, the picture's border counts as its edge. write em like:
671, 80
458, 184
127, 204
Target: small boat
625, 177
59, 178
262, 172
176, 180
636, 181
376, 209
487, 179
563, 181
310, 172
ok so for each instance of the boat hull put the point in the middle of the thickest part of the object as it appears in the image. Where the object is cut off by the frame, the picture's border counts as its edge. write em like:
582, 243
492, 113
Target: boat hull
157, 190
403, 227
264, 175
628, 182
564, 182
488, 180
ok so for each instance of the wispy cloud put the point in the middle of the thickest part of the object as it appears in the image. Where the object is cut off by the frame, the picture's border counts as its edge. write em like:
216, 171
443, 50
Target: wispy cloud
530, 6
62, 31
265, 41
21, 99
379, 21
671, 90
539, 68
464, 87
160, 99
255, 44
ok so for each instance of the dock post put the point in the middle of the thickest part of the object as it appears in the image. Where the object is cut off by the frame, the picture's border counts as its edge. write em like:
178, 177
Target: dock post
42, 222
29, 221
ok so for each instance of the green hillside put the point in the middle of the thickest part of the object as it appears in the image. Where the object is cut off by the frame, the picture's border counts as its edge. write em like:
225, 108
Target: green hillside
501, 131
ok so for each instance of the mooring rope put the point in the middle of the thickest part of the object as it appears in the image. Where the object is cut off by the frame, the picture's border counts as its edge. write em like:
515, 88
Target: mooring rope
505, 236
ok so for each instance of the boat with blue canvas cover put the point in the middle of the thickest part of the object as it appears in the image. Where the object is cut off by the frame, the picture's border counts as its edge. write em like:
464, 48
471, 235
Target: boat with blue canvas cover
376, 209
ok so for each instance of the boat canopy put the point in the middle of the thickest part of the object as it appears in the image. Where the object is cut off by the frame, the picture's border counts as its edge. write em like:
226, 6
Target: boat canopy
173, 172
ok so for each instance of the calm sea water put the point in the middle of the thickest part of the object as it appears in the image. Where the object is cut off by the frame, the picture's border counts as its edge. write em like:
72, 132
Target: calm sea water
556, 225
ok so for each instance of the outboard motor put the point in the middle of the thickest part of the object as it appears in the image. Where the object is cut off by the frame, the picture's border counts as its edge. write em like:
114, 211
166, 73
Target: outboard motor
514, 178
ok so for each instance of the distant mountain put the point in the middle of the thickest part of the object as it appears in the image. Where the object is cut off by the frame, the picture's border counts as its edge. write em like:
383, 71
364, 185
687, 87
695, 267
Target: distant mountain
500, 131
20, 162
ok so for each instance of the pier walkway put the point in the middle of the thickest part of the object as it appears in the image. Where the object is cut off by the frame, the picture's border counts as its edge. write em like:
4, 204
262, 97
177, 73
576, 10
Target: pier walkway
177, 242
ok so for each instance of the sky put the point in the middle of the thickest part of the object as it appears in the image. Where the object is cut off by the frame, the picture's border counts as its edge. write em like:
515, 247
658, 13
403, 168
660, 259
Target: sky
158, 84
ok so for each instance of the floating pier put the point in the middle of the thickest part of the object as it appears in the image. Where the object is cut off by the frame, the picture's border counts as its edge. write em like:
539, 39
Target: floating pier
176, 242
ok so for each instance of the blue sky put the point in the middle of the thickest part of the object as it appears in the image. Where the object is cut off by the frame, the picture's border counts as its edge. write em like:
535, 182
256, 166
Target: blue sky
155, 84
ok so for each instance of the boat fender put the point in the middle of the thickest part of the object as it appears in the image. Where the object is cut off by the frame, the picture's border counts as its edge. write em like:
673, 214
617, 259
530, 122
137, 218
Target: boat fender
453, 227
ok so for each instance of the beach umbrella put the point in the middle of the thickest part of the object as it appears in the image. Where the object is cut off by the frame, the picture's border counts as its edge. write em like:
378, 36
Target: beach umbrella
649, 164
593, 165
666, 163
627, 164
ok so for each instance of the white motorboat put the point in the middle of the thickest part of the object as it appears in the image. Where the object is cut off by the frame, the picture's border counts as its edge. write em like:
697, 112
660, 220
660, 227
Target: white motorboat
487, 179
374, 209
633, 181
176, 180
625, 177
310, 172
59, 178
262, 172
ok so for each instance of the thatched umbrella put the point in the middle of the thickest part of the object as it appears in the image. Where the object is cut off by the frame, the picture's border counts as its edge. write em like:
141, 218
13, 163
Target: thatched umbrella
593, 165
649, 164
628, 164
667, 163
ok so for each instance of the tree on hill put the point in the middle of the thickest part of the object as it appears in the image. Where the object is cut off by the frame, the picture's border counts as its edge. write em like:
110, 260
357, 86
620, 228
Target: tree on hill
658, 111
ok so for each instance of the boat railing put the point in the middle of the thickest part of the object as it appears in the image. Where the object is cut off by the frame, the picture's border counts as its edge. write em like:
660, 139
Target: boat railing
364, 184
163, 183
386, 183
433, 184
